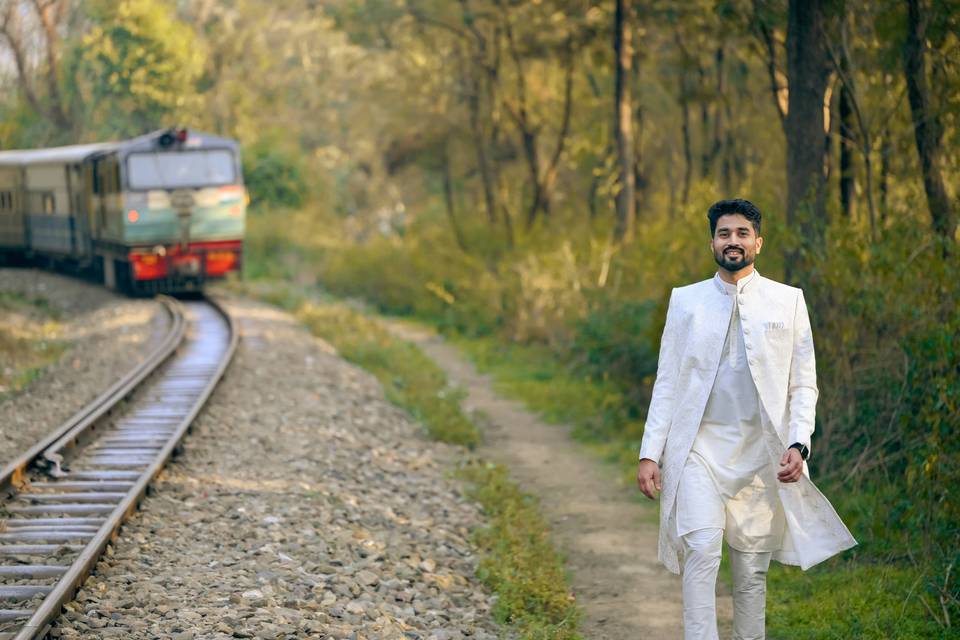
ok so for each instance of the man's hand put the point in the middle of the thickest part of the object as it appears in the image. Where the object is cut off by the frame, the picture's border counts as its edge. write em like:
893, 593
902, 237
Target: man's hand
791, 466
648, 477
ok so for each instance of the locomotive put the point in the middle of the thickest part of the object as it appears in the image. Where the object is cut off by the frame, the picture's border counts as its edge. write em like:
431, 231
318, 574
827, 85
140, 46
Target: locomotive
162, 212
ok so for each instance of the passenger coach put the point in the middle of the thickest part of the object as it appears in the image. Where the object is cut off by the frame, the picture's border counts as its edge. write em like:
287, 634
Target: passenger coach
162, 212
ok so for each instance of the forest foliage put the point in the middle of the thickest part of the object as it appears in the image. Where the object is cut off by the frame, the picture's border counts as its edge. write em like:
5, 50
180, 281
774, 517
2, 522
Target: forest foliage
538, 171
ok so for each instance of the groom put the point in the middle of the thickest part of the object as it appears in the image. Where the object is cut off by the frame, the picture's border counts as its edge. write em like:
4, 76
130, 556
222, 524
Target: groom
728, 432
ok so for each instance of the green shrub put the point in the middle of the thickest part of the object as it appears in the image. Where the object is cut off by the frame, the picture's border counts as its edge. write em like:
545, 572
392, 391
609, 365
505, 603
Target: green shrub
274, 177
616, 342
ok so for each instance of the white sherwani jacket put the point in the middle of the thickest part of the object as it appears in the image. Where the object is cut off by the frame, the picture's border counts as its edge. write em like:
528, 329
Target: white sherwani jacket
779, 343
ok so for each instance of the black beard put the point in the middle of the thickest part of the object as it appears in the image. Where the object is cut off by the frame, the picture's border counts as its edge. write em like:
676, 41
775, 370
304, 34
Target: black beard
732, 266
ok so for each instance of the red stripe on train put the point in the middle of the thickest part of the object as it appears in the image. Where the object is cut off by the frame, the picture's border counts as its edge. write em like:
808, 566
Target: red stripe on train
211, 259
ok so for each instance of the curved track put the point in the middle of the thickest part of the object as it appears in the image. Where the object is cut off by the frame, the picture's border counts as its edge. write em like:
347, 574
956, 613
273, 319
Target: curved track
64, 500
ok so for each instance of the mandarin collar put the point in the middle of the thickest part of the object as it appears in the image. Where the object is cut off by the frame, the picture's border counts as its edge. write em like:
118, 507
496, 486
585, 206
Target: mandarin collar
728, 289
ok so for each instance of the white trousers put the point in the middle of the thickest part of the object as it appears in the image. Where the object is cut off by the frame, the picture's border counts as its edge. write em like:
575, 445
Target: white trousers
701, 562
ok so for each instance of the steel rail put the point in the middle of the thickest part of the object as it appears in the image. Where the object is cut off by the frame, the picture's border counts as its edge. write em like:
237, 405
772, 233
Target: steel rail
97, 532
12, 474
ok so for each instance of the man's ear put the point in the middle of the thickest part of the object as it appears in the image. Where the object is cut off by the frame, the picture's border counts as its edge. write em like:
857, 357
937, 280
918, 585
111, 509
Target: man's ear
759, 243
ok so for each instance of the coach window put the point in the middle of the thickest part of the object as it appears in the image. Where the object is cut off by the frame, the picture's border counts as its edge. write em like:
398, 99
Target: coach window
6, 200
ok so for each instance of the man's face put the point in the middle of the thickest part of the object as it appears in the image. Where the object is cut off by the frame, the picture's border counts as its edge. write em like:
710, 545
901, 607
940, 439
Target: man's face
735, 244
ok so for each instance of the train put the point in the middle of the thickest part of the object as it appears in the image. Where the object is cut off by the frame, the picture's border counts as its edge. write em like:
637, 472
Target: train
163, 212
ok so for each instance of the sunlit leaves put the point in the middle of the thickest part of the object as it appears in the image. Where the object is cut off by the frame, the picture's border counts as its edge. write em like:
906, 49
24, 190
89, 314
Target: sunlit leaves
139, 66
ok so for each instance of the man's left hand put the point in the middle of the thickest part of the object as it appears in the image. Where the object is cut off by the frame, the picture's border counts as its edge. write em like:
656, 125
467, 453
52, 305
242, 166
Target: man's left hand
791, 466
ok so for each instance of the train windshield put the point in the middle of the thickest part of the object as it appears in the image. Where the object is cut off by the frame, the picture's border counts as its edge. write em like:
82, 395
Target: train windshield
177, 169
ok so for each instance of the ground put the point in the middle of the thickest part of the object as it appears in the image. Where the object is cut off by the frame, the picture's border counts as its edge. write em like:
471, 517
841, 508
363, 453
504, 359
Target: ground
608, 537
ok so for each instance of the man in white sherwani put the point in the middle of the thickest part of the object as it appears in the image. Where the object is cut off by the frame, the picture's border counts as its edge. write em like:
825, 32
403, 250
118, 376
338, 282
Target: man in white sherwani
728, 432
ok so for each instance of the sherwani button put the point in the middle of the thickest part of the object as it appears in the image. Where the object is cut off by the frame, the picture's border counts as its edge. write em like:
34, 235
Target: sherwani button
749, 346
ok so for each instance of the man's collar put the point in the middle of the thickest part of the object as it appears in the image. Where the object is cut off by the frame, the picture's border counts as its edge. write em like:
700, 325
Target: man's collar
730, 289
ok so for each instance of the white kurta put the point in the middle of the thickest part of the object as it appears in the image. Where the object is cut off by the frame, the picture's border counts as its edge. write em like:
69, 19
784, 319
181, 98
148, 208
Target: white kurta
729, 480
781, 360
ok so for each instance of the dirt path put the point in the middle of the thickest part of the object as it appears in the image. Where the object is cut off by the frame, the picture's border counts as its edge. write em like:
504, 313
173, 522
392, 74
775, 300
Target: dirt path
608, 538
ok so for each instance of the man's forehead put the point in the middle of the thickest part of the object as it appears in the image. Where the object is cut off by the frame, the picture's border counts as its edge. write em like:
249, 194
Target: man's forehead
733, 221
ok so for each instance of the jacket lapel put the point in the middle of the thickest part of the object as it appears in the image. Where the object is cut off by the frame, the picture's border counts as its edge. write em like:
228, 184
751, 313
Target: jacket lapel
714, 325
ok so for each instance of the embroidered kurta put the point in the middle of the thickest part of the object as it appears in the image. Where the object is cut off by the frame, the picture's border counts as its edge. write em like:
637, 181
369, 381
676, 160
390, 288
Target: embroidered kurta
729, 481
781, 361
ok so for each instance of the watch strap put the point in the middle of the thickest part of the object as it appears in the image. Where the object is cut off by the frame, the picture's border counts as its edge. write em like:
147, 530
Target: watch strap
802, 448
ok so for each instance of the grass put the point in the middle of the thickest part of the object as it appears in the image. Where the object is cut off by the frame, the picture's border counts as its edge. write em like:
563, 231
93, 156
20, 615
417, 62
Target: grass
518, 560
29, 342
842, 600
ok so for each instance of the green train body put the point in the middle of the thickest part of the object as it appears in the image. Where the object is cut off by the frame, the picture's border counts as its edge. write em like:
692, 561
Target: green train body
161, 212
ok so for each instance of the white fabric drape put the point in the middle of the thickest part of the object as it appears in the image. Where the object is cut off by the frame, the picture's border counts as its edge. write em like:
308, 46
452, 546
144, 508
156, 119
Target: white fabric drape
730, 462
779, 344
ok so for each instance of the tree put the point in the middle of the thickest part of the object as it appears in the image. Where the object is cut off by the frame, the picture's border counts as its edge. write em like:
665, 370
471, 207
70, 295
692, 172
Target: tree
623, 121
32, 33
927, 127
808, 73
139, 66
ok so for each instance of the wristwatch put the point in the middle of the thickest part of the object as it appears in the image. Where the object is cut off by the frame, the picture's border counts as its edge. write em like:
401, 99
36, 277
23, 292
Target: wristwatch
802, 448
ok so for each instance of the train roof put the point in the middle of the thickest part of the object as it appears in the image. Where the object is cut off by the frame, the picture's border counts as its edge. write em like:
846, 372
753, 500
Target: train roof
80, 152
53, 155
194, 140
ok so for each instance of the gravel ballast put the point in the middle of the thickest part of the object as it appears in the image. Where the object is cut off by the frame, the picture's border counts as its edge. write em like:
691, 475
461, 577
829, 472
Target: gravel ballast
106, 334
304, 505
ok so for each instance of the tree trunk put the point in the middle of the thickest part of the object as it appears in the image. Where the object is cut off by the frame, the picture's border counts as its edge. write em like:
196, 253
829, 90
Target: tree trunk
521, 117
808, 72
550, 175
448, 201
718, 123
705, 145
480, 148
11, 29
626, 203
847, 143
777, 91
926, 125
684, 99
687, 151
847, 183
885, 150
49, 14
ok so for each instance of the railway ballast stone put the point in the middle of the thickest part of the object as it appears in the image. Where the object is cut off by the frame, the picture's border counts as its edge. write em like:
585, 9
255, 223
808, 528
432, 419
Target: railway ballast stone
106, 334
304, 505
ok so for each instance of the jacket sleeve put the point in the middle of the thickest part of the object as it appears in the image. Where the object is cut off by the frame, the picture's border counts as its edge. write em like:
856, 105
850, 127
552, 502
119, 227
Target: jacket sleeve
802, 389
660, 412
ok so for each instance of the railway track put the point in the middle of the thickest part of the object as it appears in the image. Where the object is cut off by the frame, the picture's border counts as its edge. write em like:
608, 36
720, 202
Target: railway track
65, 499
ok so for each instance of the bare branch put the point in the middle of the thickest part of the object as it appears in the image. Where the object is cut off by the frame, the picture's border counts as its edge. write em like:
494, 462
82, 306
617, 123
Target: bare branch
11, 29
770, 44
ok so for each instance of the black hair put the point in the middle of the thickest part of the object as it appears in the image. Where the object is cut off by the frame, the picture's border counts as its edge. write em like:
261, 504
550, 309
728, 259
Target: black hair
737, 205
